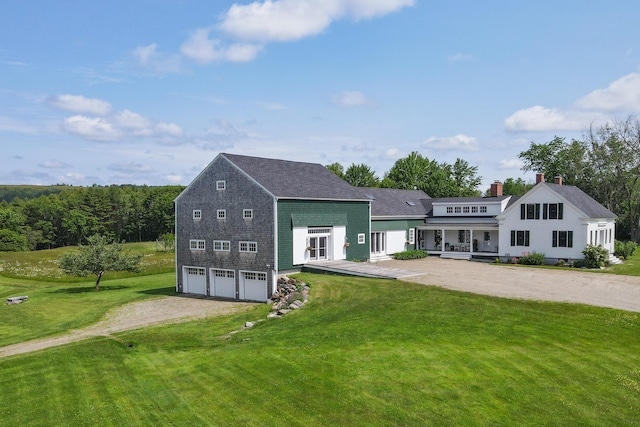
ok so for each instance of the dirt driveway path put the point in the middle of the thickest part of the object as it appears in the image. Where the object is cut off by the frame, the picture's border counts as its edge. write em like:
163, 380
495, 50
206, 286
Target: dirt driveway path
172, 309
604, 290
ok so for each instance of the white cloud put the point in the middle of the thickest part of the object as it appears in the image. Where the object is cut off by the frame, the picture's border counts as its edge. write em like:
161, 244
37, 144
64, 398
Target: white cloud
79, 104
92, 128
204, 50
541, 119
458, 142
119, 125
133, 123
621, 95
169, 129
53, 164
510, 164
351, 99
286, 20
392, 153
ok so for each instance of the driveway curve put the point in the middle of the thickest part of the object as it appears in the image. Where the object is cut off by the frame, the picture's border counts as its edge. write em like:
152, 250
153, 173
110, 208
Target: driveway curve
508, 281
156, 311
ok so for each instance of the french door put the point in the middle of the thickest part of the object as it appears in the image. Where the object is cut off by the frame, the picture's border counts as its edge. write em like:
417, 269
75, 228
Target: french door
318, 246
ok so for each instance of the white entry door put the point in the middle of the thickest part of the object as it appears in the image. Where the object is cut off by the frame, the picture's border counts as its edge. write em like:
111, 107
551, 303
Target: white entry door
223, 283
319, 245
194, 280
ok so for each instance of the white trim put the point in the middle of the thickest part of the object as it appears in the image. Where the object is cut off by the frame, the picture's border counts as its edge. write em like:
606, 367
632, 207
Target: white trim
249, 245
197, 244
222, 244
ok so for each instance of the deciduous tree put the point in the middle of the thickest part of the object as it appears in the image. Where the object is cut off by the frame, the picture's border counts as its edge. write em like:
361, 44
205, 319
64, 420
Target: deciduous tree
97, 257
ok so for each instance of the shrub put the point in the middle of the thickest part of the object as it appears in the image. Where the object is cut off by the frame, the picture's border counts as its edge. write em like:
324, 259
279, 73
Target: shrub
412, 254
595, 256
624, 249
533, 258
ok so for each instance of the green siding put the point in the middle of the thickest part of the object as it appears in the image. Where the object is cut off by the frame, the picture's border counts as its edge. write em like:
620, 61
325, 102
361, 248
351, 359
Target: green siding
357, 221
397, 224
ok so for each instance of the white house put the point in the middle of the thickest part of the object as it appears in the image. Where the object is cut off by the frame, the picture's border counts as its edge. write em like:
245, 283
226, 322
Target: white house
557, 220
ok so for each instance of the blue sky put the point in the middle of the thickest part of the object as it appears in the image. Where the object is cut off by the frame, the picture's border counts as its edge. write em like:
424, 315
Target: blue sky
150, 91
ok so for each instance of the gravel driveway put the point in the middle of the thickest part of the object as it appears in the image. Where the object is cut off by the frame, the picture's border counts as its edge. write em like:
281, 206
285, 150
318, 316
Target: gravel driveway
604, 290
172, 309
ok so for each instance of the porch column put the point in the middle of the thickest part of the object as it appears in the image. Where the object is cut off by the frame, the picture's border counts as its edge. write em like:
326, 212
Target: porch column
471, 241
442, 239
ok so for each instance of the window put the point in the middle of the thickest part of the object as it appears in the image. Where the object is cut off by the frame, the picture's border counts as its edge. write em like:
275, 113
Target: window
474, 209
197, 245
552, 211
229, 274
464, 236
412, 236
221, 245
222, 214
458, 209
562, 239
449, 209
195, 271
483, 209
248, 247
319, 230
247, 214
197, 214
487, 236
377, 242
250, 275
221, 185
465, 209
361, 239
519, 238
530, 211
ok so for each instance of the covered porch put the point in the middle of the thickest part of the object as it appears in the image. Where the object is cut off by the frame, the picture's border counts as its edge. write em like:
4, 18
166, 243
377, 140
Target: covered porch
477, 239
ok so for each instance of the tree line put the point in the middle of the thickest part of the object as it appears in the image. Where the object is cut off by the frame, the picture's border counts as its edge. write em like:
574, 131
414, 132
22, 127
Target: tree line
436, 179
605, 164
68, 217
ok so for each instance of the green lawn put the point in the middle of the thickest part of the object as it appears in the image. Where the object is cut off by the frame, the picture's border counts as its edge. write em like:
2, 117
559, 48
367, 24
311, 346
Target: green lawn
363, 352
58, 303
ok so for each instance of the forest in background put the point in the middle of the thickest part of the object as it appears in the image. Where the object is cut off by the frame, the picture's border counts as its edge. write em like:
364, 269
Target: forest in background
605, 164
33, 217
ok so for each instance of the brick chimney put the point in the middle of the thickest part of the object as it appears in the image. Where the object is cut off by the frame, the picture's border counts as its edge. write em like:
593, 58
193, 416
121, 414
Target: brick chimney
496, 189
539, 178
558, 180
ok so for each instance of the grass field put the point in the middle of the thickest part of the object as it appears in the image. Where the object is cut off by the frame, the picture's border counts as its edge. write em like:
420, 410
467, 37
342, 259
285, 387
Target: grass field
363, 352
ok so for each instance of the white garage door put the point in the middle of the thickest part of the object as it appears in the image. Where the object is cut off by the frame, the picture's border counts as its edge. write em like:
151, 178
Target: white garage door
223, 283
194, 280
253, 286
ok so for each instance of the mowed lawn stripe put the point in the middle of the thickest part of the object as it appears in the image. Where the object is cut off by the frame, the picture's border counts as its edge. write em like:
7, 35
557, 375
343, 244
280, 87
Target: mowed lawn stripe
362, 352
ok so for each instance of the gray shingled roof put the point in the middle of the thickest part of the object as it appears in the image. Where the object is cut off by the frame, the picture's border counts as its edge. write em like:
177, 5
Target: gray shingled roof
394, 202
295, 180
581, 200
